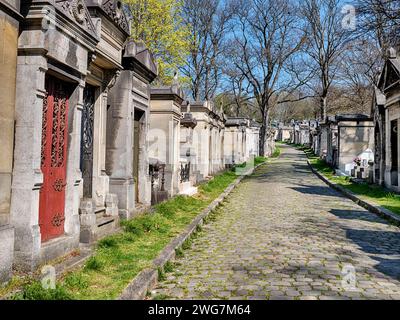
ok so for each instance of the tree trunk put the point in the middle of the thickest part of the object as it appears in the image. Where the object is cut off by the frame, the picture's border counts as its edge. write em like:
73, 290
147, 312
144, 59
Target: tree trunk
264, 131
323, 106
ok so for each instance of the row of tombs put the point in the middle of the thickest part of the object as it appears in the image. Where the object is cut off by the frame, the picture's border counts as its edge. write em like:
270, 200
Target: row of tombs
344, 141
363, 146
86, 140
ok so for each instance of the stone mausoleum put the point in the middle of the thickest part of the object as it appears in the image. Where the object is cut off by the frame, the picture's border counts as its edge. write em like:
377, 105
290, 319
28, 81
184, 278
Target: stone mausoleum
127, 136
208, 138
386, 112
350, 144
165, 117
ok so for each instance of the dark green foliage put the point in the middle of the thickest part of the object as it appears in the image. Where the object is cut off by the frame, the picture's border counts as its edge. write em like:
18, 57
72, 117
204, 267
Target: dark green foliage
109, 242
179, 253
76, 280
35, 291
168, 267
93, 264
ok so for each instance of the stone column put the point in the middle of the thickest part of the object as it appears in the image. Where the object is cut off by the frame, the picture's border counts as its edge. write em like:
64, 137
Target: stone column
8, 64
27, 175
201, 143
144, 177
74, 175
119, 159
175, 172
100, 178
173, 153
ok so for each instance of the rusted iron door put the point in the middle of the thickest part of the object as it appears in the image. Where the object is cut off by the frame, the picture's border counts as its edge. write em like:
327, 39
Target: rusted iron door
87, 140
54, 159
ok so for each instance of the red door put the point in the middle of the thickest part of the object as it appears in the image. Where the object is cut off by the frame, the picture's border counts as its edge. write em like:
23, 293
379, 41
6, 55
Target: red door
53, 159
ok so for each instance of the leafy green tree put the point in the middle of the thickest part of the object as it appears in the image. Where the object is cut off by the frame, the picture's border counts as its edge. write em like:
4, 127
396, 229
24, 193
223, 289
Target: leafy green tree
159, 25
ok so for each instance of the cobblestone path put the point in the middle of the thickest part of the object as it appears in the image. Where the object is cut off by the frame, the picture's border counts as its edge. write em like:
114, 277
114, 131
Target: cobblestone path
283, 234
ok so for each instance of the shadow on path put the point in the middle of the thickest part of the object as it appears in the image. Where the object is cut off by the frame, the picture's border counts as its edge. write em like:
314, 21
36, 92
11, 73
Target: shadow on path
356, 215
315, 190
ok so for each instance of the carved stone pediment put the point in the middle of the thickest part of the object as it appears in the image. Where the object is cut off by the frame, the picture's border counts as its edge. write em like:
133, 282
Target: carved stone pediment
77, 11
390, 74
115, 10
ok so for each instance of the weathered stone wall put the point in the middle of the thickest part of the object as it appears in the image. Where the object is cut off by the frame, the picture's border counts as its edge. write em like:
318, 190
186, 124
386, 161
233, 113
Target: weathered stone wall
230, 146
283, 134
6, 252
354, 140
119, 160
323, 141
203, 139
254, 141
126, 105
332, 144
241, 141
164, 140
9, 27
392, 111
270, 144
8, 66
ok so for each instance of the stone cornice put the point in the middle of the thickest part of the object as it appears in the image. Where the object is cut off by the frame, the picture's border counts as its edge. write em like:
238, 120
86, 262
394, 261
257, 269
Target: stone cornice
168, 109
10, 10
353, 117
208, 108
236, 122
173, 93
139, 59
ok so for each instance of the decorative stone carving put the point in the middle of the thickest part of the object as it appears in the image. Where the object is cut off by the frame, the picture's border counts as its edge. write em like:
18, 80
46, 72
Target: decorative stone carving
114, 9
77, 11
111, 79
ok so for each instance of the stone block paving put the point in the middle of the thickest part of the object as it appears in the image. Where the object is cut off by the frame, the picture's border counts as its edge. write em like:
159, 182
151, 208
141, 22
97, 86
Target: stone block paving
284, 235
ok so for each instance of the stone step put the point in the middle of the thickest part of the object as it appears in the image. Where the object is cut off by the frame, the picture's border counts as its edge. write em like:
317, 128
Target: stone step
74, 261
102, 221
100, 211
106, 226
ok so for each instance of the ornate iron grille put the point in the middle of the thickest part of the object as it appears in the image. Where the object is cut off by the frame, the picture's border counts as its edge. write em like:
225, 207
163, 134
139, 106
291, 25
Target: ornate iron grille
185, 172
87, 140
158, 192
